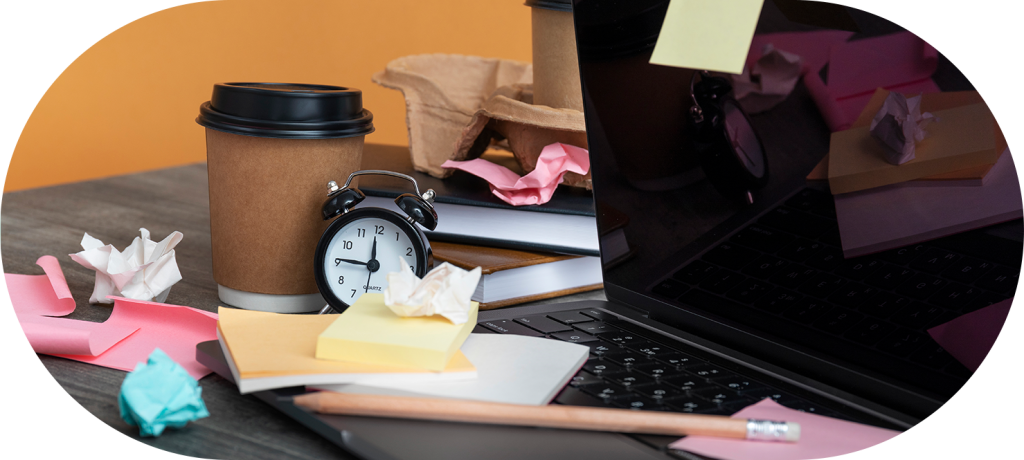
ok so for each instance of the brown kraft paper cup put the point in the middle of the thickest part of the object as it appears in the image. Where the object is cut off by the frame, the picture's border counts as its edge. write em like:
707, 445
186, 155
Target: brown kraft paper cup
265, 199
556, 73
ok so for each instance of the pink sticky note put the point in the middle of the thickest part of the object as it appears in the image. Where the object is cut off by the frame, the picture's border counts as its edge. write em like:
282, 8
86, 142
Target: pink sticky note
41, 295
537, 186
54, 336
174, 329
861, 66
820, 437
970, 337
812, 47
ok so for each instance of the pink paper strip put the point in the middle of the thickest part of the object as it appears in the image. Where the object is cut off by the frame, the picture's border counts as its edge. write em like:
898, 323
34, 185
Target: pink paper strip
861, 66
174, 329
53, 336
820, 437
41, 295
970, 337
537, 186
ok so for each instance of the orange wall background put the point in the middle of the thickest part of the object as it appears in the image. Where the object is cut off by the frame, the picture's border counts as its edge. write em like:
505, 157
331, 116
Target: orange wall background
129, 103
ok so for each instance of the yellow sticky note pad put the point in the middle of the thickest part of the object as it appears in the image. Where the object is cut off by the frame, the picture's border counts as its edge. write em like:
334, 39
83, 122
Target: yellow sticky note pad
369, 332
707, 35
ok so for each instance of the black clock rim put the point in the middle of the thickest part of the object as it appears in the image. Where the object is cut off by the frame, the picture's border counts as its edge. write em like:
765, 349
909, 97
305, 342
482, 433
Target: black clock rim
423, 260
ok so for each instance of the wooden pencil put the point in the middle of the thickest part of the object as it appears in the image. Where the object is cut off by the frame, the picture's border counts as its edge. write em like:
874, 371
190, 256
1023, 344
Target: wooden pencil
551, 416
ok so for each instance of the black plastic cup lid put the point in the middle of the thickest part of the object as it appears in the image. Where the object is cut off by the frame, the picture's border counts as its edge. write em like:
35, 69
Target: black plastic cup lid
286, 111
555, 5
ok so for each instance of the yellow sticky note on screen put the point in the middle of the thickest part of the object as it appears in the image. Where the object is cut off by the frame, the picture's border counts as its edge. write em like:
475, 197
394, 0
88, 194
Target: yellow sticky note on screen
707, 34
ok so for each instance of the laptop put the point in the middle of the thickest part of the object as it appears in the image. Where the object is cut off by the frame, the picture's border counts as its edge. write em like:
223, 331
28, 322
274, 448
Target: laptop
728, 297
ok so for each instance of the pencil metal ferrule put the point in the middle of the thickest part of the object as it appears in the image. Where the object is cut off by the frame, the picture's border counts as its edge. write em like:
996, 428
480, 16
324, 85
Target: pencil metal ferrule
768, 430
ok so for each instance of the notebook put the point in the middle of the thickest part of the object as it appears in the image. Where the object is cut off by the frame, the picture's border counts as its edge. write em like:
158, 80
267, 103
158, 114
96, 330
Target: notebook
724, 303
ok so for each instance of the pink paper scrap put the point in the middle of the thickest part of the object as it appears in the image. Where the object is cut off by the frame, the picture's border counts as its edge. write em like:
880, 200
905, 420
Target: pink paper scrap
174, 329
970, 337
899, 62
537, 186
41, 295
820, 437
133, 330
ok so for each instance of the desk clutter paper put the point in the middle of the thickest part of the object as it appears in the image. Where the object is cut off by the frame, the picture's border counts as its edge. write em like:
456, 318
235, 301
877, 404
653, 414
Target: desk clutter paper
271, 350
368, 332
704, 35
158, 394
146, 270
446, 291
970, 337
133, 330
537, 186
820, 437
511, 369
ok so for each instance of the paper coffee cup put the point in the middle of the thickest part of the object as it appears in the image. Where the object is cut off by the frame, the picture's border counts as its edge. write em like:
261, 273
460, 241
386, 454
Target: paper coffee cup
556, 73
271, 149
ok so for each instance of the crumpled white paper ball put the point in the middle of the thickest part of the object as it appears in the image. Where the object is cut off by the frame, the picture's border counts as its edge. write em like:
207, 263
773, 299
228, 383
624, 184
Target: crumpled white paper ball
146, 270
447, 291
899, 126
773, 77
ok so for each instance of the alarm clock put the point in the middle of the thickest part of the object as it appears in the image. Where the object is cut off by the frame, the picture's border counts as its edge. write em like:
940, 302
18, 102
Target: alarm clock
361, 246
730, 151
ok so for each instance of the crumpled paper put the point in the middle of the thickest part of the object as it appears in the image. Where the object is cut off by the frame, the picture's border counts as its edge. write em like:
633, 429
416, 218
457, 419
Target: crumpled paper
899, 126
539, 185
160, 394
146, 270
447, 291
776, 72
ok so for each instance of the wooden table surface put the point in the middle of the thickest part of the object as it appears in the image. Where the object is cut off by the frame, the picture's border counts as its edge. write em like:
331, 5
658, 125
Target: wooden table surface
52, 220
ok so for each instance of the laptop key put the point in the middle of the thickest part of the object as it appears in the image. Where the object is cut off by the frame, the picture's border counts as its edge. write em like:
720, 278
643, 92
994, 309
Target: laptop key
722, 281
749, 291
720, 395
688, 383
852, 295
707, 371
889, 276
902, 343
620, 337
604, 390
738, 383
917, 315
792, 276
584, 378
807, 310
599, 348
859, 268
659, 392
934, 260
632, 379
650, 349
625, 358
954, 296
827, 259
602, 368
903, 256
730, 256
593, 327
800, 249
932, 355
821, 285
776, 395
677, 360
869, 331
884, 305
762, 239
1000, 279
478, 329
598, 314
507, 326
765, 266
574, 337
967, 270
634, 401
657, 370
542, 324
777, 301
921, 286
571, 396
569, 317
838, 320
695, 272
669, 288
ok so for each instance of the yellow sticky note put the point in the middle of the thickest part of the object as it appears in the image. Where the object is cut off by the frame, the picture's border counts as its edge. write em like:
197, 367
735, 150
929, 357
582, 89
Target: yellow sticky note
369, 332
707, 34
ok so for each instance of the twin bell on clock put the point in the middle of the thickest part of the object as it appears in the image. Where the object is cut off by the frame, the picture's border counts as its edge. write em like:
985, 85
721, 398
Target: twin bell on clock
362, 245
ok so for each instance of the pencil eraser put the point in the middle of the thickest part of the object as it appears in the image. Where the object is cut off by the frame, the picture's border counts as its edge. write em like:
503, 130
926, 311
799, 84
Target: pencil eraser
792, 432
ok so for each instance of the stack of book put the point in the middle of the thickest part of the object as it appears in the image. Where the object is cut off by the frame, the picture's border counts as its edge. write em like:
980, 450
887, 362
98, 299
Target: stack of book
527, 252
962, 177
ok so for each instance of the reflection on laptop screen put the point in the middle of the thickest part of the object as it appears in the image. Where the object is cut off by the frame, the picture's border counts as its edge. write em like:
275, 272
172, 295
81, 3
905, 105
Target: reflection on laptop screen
720, 185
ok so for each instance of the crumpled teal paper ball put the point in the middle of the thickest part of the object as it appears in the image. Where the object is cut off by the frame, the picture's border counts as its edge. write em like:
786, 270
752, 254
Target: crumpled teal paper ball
159, 394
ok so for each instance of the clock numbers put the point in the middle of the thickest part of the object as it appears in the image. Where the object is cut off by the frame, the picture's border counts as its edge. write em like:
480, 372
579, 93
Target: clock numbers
337, 262
361, 232
346, 244
408, 251
378, 229
396, 236
353, 293
341, 280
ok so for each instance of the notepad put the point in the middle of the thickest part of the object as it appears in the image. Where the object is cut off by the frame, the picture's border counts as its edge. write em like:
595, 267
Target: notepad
369, 332
511, 369
271, 350
961, 138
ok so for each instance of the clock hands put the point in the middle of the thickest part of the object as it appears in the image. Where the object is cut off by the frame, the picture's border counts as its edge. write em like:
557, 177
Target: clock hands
371, 265
348, 261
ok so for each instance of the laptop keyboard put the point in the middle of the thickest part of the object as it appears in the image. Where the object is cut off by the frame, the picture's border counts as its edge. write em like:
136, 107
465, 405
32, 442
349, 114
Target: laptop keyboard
786, 274
636, 369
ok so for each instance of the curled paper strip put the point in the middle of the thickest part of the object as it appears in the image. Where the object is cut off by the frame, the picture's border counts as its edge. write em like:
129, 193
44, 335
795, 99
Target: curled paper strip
537, 186
445, 291
899, 125
159, 394
146, 270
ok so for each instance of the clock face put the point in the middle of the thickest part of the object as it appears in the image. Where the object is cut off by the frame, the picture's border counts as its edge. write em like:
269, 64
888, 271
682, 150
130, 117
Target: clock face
362, 247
